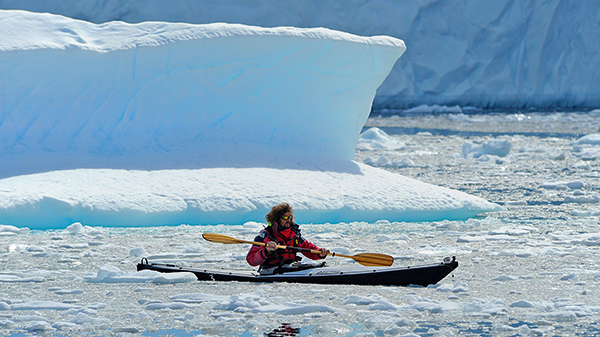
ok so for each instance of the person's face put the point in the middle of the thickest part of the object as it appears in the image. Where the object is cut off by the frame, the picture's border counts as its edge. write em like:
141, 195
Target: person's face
286, 220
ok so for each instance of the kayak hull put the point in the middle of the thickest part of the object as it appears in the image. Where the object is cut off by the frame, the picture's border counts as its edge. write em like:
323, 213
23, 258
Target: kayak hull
422, 275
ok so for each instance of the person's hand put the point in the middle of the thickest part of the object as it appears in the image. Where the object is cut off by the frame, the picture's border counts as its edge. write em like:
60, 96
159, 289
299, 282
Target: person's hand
271, 246
324, 252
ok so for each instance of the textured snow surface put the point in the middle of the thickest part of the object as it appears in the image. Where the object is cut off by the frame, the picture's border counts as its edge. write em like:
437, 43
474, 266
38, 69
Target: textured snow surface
166, 95
509, 54
109, 197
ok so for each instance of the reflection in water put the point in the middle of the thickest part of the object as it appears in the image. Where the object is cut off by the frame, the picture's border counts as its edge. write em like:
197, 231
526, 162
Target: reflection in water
284, 330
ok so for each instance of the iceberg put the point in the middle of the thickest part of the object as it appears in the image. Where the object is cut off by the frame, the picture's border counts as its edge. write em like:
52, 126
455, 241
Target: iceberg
161, 95
501, 55
158, 123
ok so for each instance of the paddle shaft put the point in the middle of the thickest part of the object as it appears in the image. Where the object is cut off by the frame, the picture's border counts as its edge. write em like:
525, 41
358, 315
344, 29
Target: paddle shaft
298, 249
366, 259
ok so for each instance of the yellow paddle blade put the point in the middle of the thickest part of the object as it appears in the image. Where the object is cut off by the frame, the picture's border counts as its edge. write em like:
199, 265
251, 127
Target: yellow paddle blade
373, 259
222, 238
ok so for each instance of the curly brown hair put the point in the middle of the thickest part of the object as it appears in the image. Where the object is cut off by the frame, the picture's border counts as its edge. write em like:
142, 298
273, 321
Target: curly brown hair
277, 212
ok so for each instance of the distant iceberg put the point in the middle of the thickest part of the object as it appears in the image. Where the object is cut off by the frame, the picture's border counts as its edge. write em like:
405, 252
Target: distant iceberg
502, 55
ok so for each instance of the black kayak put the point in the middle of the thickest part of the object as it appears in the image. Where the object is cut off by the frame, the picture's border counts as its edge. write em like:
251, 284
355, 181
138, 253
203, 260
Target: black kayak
422, 275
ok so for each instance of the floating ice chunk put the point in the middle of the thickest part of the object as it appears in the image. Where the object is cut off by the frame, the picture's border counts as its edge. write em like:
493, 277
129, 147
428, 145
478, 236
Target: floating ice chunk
556, 184
504, 278
428, 305
586, 152
434, 109
384, 161
16, 247
522, 304
136, 252
293, 309
74, 245
405, 322
511, 231
378, 322
496, 147
522, 330
592, 139
143, 289
341, 250
587, 239
74, 228
592, 198
491, 306
33, 249
40, 305
83, 318
68, 291
189, 316
251, 300
7, 230
457, 287
172, 306
17, 278
140, 316
29, 318
471, 238
558, 316
383, 305
376, 139
381, 161
249, 227
383, 238
328, 237
362, 300
127, 329
500, 237
581, 165
199, 298
195, 248
517, 253
174, 278
40, 326
570, 277
328, 329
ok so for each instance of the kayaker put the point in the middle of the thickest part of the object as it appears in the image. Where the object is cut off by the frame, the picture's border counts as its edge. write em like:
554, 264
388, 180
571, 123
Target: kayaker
281, 230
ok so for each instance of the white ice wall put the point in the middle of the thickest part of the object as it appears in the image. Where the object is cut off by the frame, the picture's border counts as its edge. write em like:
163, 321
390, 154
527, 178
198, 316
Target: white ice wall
163, 95
509, 54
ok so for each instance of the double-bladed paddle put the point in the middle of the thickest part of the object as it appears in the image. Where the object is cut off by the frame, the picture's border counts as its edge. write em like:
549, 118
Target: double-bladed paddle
366, 259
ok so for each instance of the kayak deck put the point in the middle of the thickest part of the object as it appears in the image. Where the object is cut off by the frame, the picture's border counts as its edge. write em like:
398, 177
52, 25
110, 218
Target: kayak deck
422, 275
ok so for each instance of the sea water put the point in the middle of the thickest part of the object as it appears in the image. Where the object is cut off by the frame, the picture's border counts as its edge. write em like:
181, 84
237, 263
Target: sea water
530, 270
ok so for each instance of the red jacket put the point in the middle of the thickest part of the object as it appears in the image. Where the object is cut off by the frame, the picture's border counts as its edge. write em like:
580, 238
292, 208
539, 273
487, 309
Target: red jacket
258, 254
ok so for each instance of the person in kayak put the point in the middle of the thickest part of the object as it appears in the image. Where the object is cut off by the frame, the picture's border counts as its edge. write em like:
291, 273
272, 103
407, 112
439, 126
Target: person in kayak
281, 230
